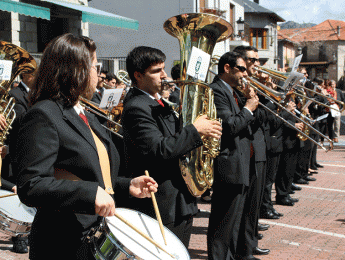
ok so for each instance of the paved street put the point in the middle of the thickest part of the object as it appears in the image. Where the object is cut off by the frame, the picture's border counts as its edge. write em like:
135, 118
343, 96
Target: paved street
313, 229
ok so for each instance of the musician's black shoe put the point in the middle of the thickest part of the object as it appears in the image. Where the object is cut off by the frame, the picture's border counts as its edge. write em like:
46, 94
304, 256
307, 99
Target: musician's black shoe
268, 214
308, 178
263, 227
318, 165
260, 251
248, 257
260, 236
295, 187
277, 213
19, 245
294, 200
292, 192
301, 181
284, 201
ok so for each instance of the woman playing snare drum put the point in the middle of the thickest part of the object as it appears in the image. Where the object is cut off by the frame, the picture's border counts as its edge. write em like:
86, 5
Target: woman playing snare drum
66, 162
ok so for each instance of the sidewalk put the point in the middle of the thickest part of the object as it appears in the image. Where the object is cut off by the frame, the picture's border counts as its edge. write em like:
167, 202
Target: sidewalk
312, 229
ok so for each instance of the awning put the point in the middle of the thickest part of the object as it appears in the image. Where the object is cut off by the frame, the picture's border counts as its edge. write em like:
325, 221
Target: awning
25, 9
97, 16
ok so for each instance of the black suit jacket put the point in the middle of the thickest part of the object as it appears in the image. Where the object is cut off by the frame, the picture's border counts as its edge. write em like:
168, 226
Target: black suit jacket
232, 164
175, 96
154, 142
97, 97
54, 138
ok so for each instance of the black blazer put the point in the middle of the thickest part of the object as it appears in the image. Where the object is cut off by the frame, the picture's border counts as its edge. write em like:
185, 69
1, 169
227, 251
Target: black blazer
232, 164
175, 96
97, 97
154, 142
54, 138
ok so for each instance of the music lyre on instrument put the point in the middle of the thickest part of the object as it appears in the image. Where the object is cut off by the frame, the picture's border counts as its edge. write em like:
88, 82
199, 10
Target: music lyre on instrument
158, 215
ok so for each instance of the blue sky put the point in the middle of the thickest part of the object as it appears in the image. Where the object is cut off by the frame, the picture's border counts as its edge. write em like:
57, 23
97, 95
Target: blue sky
308, 11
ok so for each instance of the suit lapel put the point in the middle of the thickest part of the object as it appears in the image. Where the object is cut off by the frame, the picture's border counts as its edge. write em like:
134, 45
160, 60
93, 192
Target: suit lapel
70, 115
230, 96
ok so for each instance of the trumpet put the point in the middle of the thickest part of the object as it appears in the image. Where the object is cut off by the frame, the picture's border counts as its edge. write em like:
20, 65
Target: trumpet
92, 107
279, 76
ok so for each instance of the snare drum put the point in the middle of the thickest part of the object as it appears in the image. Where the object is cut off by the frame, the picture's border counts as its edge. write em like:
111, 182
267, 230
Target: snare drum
115, 240
15, 217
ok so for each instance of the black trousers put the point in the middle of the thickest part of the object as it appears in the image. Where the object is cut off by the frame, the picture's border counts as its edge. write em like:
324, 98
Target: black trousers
286, 170
261, 175
247, 239
225, 219
303, 161
271, 173
182, 228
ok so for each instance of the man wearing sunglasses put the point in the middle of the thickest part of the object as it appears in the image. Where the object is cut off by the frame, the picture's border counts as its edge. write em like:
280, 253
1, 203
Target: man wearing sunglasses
97, 96
231, 168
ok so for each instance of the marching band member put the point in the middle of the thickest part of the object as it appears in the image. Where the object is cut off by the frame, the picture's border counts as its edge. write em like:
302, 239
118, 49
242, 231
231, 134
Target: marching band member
154, 141
67, 166
259, 130
232, 167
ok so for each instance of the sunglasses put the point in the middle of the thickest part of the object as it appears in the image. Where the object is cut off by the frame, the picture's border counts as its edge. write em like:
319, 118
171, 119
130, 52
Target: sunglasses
241, 68
103, 78
253, 60
98, 67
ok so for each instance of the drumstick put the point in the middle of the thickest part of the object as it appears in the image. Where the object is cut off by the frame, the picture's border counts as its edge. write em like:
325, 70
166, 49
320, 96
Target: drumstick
158, 215
141, 233
8, 195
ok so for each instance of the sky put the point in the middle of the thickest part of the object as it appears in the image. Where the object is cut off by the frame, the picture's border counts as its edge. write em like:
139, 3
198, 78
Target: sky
306, 11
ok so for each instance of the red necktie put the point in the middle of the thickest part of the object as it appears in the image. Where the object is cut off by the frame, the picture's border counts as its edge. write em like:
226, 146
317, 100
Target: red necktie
235, 97
84, 118
160, 102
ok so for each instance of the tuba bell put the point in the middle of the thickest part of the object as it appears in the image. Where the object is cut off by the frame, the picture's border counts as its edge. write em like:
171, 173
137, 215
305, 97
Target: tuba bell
202, 31
13, 61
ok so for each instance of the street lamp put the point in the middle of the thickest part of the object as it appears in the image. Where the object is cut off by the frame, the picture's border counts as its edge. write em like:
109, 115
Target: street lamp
240, 28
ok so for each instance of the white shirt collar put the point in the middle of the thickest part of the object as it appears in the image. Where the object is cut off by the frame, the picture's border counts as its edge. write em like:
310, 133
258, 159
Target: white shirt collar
228, 86
79, 109
158, 96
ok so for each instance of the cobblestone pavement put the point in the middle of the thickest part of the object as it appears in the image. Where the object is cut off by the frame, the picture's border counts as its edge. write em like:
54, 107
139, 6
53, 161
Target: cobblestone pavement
313, 229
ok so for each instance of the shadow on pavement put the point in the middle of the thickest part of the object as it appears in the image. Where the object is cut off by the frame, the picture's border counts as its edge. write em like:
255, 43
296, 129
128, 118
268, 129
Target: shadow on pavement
197, 254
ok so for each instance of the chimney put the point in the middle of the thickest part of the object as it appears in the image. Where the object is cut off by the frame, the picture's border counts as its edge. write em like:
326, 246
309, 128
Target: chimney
338, 30
256, 1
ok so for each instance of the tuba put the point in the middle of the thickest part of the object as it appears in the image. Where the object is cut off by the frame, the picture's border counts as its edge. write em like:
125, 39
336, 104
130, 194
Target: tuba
13, 61
202, 31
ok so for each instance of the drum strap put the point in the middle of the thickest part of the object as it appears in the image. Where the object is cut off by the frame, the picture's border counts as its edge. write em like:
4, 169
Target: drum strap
103, 158
103, 161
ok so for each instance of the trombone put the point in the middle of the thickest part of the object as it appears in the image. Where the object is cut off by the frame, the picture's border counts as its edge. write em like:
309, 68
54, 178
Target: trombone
257, 86
94, 108
277, 98
276, 75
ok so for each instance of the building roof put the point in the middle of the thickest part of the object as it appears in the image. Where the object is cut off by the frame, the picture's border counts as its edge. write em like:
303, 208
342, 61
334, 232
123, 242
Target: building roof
284, 37
325, 31
252, 7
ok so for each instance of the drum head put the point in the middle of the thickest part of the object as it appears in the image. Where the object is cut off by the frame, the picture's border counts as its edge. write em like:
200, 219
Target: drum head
14, 209
137, 244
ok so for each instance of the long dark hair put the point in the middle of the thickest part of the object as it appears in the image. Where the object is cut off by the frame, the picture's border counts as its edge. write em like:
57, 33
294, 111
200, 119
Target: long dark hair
64, 72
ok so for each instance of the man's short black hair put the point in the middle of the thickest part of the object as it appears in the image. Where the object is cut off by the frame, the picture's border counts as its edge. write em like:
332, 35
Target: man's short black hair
176, 72
228, 58
244, 49
318, 80
110, 76
104, 72
141, 58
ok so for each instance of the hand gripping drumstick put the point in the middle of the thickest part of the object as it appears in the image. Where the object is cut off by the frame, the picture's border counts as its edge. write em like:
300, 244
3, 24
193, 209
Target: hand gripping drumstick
141, 233
158, 215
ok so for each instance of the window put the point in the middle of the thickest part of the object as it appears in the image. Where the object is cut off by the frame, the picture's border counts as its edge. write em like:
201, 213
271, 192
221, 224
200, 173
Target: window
322, 53
258, 38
